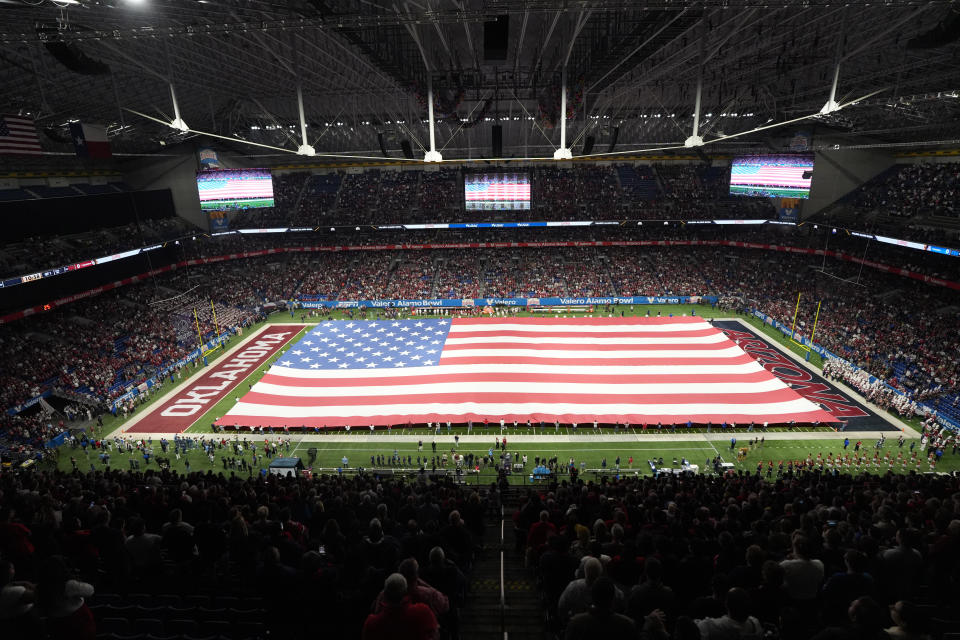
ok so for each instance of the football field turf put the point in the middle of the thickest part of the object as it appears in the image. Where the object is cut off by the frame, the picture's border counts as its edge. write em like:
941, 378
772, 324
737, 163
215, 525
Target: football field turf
583, 447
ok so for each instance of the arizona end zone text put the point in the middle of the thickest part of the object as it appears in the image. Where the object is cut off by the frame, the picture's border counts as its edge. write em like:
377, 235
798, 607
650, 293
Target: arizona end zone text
190, 403
796, 375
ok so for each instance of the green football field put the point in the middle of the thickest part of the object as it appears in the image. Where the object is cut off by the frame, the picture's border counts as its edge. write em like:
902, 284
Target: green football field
583, 449
587, 451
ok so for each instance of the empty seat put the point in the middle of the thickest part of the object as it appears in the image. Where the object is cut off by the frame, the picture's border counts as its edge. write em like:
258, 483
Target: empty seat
228, 602
166, 600
148, 625
181, 613
245, 615
118, 611
141, 611
204, 613
249, 630
113, 625
197, 601
182, 627
215, 628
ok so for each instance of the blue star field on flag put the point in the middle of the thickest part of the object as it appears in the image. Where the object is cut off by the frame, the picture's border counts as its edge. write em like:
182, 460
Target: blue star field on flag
367, 344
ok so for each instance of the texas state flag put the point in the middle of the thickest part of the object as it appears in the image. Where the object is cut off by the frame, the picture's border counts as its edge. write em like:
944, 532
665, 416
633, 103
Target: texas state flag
90, 140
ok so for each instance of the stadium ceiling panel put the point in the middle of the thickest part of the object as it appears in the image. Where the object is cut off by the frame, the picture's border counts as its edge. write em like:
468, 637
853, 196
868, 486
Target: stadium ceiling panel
364, 67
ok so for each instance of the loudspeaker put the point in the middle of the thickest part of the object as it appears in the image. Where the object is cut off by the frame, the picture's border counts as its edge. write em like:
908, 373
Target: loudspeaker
497, 141
383, 146
495, 37
77, 61
588, 145
613, 139
407, 149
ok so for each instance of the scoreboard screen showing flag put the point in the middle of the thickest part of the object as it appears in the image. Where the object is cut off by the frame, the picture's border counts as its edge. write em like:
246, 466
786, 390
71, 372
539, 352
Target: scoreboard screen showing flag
235, 189
772, 176
626, 370
496, 191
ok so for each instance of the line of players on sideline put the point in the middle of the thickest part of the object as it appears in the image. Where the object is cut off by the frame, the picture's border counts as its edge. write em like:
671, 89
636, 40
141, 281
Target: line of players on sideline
932, 446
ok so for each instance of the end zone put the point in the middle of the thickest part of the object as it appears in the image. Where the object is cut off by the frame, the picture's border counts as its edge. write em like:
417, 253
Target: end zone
186, 404
841, 402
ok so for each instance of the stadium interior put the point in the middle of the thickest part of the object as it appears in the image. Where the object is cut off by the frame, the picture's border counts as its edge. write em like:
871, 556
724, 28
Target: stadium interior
514, 319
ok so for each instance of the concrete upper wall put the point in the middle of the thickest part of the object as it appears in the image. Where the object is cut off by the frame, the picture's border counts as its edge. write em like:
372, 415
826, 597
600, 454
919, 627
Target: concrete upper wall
179, 174
837, 173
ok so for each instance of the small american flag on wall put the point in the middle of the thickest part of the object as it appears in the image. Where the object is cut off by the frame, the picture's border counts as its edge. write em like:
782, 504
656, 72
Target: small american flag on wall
18, 136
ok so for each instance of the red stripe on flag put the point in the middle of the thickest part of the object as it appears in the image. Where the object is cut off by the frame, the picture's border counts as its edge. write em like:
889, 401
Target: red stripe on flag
480, 397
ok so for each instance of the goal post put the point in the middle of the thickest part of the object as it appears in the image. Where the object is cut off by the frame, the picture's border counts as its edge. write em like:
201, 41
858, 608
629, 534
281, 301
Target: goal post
793, 328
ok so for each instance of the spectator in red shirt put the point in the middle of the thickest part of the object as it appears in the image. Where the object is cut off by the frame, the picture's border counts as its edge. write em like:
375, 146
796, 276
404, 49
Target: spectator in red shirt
417, 590
400, 619
539, 533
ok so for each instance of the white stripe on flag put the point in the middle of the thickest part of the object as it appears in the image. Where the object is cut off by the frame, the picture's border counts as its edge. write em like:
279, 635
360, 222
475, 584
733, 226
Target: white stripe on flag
732, 388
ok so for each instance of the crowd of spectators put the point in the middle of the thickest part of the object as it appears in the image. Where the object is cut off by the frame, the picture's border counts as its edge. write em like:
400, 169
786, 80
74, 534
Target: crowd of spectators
35, 254
440, 193
643, 192
911, 190
398, 193
813, 555
520, 273
104, 343
232, 555
810, 554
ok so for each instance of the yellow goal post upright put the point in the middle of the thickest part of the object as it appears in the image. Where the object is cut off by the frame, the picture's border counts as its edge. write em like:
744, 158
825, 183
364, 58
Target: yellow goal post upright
793, 329
216, 325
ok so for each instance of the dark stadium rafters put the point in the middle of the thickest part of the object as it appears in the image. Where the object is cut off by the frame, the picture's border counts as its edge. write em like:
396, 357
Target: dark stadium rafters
360, 63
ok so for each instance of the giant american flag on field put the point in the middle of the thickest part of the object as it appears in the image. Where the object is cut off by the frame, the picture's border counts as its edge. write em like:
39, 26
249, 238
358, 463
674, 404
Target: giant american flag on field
634, 370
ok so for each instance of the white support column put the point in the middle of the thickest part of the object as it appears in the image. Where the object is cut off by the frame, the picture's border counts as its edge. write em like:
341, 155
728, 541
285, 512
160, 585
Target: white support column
433, 155
695, 140
563, 153
305, 149
177, 122
832, 105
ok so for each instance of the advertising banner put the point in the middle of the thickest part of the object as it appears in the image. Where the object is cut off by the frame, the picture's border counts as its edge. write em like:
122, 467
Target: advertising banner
458, 303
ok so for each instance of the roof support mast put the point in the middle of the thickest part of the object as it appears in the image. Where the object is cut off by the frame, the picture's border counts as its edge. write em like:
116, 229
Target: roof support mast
433, 155
695, 140
564, 152
177, 122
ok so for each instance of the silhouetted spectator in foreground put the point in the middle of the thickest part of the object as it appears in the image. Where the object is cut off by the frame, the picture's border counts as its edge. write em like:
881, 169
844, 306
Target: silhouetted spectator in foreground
400, 619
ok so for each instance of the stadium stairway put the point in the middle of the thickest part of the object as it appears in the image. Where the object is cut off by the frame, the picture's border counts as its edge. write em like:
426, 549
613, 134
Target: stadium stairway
503, 602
